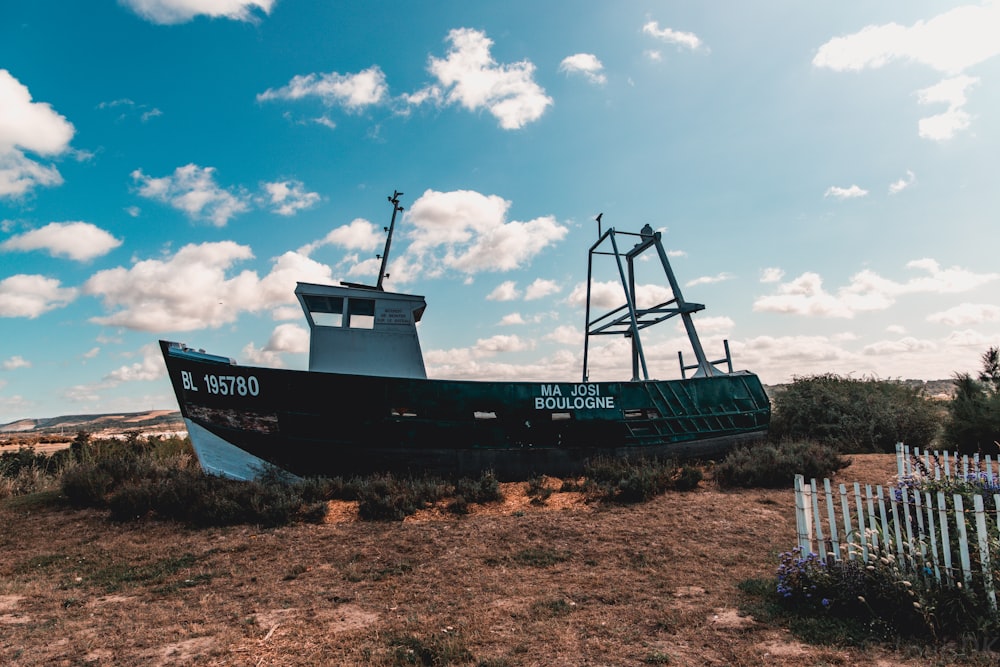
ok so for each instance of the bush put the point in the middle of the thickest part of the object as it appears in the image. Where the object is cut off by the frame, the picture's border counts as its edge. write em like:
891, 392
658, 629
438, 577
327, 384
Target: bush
637, 480
854, 415
771, 465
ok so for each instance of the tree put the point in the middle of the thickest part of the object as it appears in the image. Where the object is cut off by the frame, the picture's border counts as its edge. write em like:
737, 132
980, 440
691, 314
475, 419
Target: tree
974, 414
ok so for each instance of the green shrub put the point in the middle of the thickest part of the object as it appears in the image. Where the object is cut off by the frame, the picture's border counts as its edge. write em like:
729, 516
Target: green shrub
854, 415
637, 480
771, 465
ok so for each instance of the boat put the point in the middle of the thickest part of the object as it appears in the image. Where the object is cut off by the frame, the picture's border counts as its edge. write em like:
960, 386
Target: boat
366, 405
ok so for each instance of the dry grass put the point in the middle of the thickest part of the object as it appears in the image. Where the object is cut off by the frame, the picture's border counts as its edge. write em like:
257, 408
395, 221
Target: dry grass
564, 583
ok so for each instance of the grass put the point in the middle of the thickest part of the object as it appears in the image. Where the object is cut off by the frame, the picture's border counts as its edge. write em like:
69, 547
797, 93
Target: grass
597, 582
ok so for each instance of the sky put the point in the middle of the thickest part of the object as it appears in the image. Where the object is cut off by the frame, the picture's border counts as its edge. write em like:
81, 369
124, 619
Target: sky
826, 177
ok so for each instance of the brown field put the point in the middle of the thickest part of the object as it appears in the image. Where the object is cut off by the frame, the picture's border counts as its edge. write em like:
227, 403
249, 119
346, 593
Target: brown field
569, 583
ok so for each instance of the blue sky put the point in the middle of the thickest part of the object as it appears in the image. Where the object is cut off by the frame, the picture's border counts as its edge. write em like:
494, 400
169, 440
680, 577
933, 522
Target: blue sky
826, 177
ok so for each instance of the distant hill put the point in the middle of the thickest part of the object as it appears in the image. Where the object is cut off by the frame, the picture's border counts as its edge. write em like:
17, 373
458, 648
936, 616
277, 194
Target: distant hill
152, 421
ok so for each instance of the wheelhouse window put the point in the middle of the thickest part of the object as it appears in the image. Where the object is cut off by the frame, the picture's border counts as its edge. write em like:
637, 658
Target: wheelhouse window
361, 313
326, 311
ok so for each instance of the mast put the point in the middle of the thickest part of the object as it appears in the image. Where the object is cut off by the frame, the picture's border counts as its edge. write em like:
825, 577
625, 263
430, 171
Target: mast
396, 208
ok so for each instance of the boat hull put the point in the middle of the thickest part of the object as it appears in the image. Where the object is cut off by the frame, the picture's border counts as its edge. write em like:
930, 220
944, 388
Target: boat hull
241, 418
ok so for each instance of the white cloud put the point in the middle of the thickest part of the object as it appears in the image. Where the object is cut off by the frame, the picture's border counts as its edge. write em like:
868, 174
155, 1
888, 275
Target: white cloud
944, 126
151, 367
586, 64
653, 55
772, 275
126, 107
896, 329
29, 296
512, 319
167, 12
80, 241
289, 197
949, 43
483, 348
359, 234
711, 324
469, 76
505, 291
540, 288
965, 314
852, 192
28, 126
193, 289
867, 291
611, 294
565, 335
92, 353
286, 338
708, 280
469, 232
903, 183
17, 361
353, 92
900, 346
192, 189
685, 39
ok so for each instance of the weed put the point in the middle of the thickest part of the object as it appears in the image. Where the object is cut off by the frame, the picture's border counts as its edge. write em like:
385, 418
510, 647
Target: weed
438, 649
771, 465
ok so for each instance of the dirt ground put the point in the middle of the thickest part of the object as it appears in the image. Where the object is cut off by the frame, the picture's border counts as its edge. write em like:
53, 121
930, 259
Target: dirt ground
567, 583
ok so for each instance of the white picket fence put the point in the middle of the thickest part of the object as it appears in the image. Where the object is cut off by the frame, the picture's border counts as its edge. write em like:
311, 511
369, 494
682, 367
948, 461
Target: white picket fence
922, 531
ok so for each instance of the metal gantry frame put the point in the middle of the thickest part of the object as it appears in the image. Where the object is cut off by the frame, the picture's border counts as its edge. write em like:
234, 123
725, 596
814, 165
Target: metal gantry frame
629, 319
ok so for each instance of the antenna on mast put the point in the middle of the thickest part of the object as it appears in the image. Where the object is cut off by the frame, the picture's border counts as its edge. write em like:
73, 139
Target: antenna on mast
396, 208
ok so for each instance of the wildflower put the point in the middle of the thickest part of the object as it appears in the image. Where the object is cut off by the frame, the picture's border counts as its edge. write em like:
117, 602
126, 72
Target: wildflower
916, 605
861, 599
826, 602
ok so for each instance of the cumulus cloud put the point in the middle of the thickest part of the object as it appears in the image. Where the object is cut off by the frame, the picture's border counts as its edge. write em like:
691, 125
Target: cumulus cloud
867, 291
586, 64
286, 338
29, 296
611, 294
505, 291
565, 334
17, 361
944, 126
540, 288
671, 36
950, 43
168, 12
353, 92
193, 289
193, 190
903, 183
965, 314
27, 126
512, 319
470, 77
469, 232
359, 234
80, 241
288, 197
852, 192
150, 367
